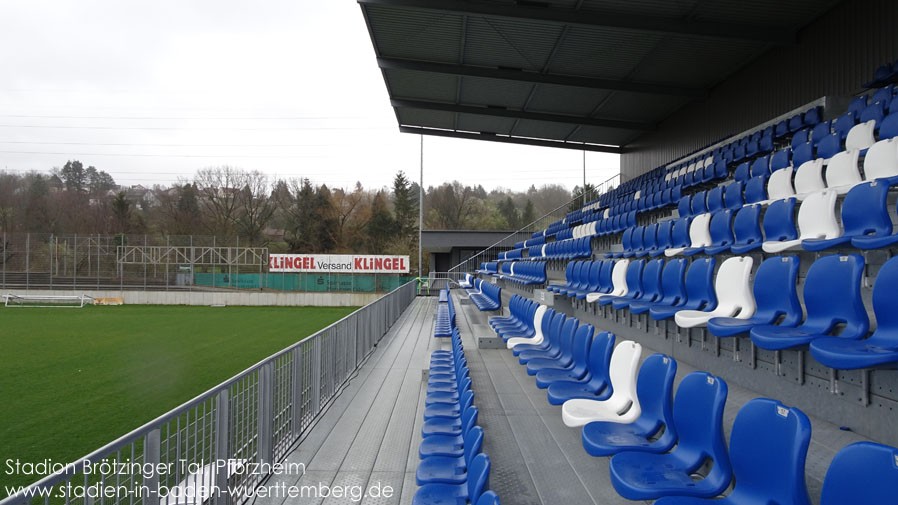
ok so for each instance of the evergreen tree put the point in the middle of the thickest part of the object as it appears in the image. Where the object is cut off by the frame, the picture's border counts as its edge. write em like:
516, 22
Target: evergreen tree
508, 211
381, 227
529, 214
404, 206
121, 211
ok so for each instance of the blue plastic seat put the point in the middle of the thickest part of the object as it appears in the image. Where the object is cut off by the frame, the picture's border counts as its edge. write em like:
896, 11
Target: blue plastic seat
819, 131
654, 388
882, 347
732, 196
663, 239
812, 116
768, 449
649, 240
779, 221
776, 296
467, 492
715, 199
550, 318
550, 346
832, 298
864, 216
649, 286
761, 166
780, 159
795, 123
679, 234
699, 291
721, 229
596, 384
802, 153
565, 356
673, 288
743, 172
863, 472
593, 279
577, 370
800, 137
857, 104
747, 230
698, 420
605, 283
449, 469
699, 204
634, 283
635, 242
449, 444
829, 146
756, 189
845, 122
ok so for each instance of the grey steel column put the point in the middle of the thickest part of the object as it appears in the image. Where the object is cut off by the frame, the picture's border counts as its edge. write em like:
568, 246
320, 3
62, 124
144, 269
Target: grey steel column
421, 211
151, 459
266, 396
297, 391
222, 452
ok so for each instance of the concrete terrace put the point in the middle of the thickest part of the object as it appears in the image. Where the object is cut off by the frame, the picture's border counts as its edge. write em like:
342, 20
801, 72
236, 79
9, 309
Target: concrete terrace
371, 432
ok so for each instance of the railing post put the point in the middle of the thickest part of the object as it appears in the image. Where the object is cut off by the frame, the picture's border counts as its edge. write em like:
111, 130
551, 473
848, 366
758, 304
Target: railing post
151, 458
316, 374
297, 391
266, 398
222, 450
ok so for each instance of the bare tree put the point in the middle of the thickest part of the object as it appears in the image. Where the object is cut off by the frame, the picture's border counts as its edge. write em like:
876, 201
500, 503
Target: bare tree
256, 208
218, 190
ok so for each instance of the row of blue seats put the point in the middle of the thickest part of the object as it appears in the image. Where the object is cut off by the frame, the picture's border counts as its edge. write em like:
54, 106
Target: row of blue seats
486, 296
658, 449
526, 272
452, 468
657, 453
445, 318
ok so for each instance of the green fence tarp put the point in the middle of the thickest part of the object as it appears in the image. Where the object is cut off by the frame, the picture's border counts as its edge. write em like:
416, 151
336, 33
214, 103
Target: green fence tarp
303, 282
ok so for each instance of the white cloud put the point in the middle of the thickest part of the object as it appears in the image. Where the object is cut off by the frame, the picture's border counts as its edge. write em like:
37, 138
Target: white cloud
151, 91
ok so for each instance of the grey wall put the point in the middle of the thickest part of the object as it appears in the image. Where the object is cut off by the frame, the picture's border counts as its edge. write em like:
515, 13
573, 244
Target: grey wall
834, 55
220, 297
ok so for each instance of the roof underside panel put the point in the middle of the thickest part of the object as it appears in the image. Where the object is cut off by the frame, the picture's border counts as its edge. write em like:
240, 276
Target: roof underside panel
592, 71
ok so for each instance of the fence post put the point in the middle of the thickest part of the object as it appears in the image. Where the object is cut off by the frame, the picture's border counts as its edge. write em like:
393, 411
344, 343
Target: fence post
222, 451
297, 391
316, 373
266, 398
27, 261
4, 260
151, 458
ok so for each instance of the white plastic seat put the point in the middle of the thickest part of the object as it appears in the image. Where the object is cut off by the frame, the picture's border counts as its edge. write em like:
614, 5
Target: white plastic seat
618, 282
467, 283
623, 405
809, 179
734, 295
779, 186
816, 219
860, 136
842, 173
699, 235
537, 337
882, 160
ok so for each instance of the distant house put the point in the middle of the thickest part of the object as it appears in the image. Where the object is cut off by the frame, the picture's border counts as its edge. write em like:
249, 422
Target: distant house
55, 184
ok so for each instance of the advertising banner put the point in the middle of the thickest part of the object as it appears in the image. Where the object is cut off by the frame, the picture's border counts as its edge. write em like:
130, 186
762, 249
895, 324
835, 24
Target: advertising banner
338, 263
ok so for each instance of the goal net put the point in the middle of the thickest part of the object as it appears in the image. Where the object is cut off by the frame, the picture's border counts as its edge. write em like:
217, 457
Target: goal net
47, 301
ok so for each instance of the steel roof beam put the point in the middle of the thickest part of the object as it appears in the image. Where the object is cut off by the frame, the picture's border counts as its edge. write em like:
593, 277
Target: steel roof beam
520, 114
647, 23
509, 140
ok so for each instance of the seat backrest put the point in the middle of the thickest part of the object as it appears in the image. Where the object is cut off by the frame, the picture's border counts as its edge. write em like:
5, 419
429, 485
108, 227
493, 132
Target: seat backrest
622, 373
637, 238
863, 472
780, 184
843, 123
654, 388
680, 232
634, 278
684, 206
699, 204
820, 130
698, 419
817, 216
721, 228
885, 307
780, 160
864, 210
600, 357
732, 197
627, 239
663, 233
605, 274
809, 177
829, 146
566, 336
832, 295
541, 319
699, 232
857, 104
842, 169
619, 276
580, 348
593, 277
733, 287
882, 159
761, 166
673, 284
800, 137
779, 221
651, 280
478, 476
715, 199
888, 129
755, 189
802, 153
473, 441
747, 226
699, 287
768, 448
650, 237
742, 172
776, 292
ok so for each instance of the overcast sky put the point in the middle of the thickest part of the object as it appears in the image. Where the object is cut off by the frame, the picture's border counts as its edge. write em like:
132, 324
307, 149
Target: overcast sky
152, 91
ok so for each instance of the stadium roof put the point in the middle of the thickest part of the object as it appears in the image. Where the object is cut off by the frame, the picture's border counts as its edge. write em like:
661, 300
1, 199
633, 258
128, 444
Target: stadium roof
584, 74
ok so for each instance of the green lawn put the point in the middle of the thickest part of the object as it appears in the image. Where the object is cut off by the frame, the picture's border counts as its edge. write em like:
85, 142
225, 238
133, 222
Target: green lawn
75, 379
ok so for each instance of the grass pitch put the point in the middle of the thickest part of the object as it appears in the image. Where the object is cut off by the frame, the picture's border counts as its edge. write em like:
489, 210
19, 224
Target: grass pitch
75, 379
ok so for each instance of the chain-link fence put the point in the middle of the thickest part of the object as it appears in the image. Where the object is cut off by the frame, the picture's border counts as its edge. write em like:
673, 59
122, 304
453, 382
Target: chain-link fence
154, 262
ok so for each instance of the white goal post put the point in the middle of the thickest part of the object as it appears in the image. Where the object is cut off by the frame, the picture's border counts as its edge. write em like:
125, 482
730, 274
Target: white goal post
47, 301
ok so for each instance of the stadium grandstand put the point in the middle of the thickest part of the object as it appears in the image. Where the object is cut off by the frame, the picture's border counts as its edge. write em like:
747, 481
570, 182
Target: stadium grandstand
715, 328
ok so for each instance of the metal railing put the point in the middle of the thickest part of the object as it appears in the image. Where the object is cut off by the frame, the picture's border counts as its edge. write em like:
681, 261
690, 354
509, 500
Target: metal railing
491, 253
224, 438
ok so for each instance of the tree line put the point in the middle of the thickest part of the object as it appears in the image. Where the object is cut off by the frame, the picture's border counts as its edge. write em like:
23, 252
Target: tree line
290, 215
